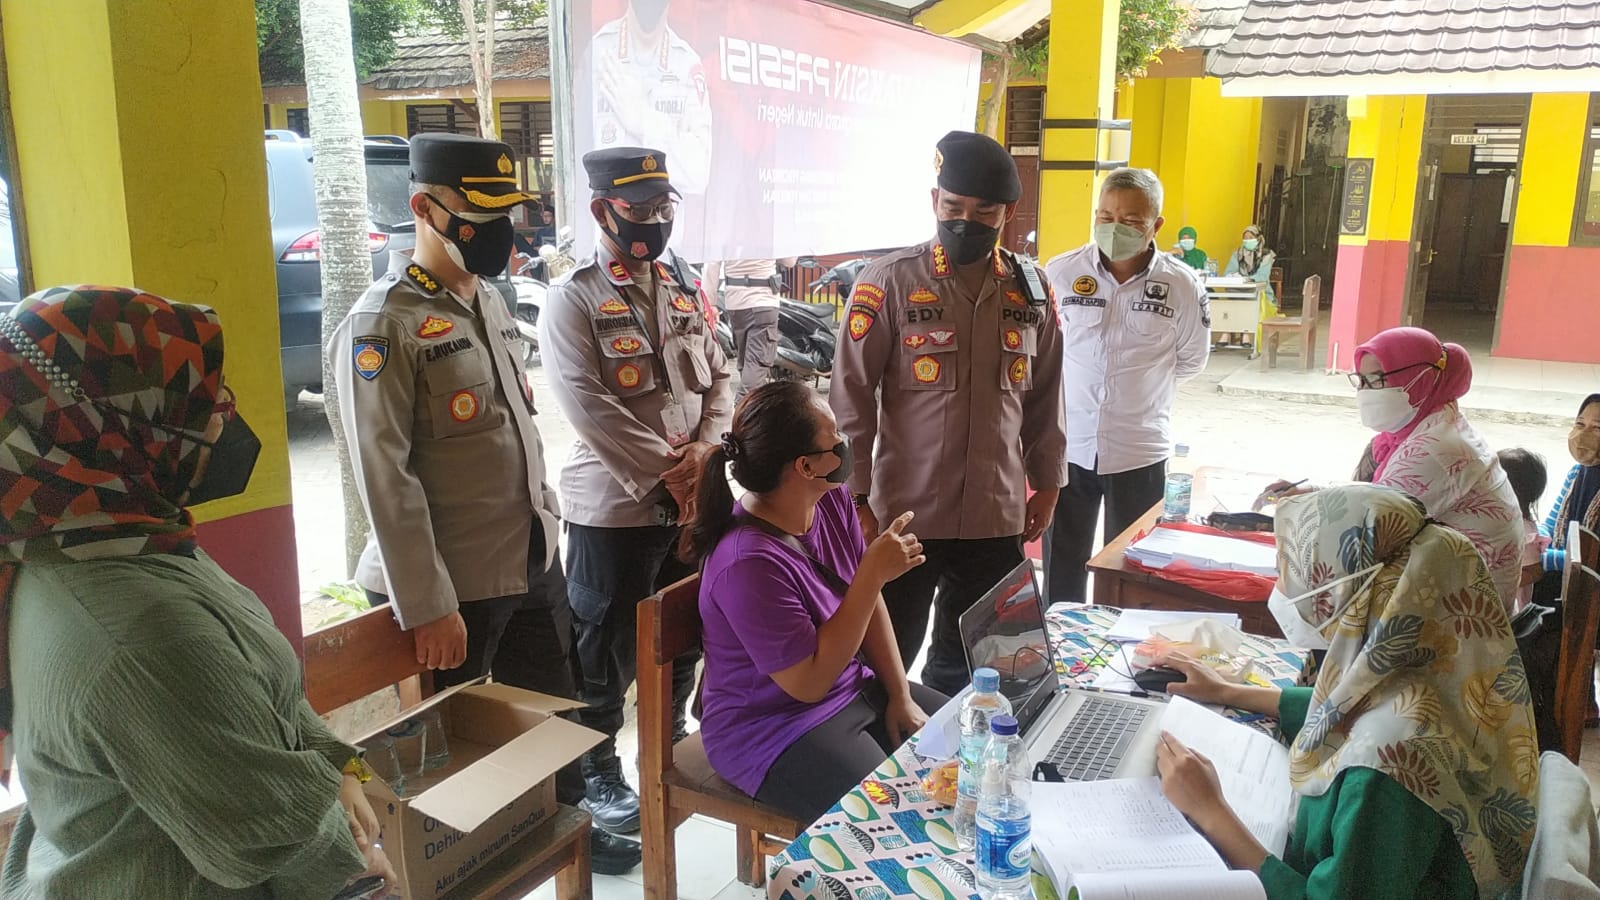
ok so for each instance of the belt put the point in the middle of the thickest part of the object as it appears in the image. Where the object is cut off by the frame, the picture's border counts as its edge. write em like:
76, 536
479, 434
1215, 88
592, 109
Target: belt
750, 282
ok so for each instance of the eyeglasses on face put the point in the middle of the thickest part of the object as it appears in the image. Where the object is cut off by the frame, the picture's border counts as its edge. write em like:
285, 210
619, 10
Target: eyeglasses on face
664, 209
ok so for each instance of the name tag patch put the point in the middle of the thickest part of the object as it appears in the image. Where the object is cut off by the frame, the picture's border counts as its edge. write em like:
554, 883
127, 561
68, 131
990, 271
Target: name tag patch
1148, 306
1091, 302
447, 349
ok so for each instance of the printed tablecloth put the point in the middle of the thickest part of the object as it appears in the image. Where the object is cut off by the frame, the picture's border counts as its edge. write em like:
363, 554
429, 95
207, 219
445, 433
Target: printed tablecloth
887, 838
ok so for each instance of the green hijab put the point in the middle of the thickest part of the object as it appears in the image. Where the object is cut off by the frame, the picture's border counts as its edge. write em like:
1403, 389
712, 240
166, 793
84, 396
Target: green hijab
1196, 258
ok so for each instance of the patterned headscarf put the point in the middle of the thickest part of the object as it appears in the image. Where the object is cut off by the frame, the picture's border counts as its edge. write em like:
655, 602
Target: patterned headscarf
1250, 260
103, 391
1422, 679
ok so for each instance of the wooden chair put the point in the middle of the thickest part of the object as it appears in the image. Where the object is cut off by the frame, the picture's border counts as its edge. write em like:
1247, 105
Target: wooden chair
677, 782
1304, 325
1580, 621
1275, 278
351, 659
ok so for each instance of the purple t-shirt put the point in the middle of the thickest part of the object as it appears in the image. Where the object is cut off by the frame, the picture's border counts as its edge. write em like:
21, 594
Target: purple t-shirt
761, 603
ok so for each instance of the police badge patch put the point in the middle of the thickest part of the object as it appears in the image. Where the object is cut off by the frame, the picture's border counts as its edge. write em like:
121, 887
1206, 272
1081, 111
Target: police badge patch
370, 355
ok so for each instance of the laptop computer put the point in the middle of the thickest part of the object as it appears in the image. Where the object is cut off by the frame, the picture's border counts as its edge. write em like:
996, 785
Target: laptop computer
1087, 735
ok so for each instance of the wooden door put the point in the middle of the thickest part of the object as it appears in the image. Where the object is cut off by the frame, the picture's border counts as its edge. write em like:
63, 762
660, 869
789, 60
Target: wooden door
1468, 237
1015, 236
1422, 250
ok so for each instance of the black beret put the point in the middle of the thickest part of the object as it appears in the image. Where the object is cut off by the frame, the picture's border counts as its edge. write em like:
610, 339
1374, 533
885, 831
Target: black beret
975, 165
481, 170
633, 174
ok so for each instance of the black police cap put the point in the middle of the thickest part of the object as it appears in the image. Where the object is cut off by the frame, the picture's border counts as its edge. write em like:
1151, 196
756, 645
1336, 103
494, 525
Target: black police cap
975, 165
631, 174
481, 170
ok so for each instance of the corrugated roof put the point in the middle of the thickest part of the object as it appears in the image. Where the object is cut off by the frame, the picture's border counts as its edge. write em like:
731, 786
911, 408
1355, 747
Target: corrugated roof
435, 61
1344, 38
1214, 21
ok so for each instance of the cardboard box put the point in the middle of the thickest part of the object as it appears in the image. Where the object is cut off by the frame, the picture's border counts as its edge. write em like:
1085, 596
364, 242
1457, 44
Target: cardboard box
505, 747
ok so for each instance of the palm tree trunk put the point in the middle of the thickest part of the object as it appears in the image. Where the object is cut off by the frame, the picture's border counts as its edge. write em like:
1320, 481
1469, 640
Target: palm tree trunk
341, 189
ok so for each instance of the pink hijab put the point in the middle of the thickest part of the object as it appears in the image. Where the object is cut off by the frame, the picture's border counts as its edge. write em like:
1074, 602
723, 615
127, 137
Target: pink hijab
1449, 377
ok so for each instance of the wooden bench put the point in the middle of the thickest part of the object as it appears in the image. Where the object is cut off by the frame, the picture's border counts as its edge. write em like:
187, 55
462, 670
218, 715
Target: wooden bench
367, 653
677, 781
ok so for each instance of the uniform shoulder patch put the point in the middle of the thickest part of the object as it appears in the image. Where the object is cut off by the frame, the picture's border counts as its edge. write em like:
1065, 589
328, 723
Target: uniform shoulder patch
423, 278
370, 354
433, 327
870, 296
860, 323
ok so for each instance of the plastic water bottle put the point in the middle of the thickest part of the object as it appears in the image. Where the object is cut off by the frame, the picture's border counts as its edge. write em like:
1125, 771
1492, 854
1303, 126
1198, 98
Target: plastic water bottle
983, 704
1179, 488
1005, 826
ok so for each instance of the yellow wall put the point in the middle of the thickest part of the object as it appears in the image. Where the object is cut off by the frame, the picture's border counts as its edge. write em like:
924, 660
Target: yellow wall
1389, 131
124, 189
1552, 164
1079, 85
389, 116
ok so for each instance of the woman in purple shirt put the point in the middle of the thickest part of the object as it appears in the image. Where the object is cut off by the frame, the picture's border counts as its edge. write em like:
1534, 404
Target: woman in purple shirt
804, 692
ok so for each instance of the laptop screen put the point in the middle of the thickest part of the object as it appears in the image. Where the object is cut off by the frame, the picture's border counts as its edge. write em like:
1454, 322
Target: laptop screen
1005, 631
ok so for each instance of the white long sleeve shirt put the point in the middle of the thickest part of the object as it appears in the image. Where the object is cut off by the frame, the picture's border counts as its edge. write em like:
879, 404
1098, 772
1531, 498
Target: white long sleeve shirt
1128, 346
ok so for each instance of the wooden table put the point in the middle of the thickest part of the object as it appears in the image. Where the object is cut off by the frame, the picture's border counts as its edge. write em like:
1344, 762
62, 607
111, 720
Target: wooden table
1116, 583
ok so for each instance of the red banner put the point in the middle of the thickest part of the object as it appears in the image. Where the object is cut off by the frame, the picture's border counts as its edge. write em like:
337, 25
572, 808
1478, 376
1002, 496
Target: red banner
789, 127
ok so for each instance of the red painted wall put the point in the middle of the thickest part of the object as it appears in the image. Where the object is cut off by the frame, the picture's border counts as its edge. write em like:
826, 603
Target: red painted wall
1552, 305
258, 550
1369, 289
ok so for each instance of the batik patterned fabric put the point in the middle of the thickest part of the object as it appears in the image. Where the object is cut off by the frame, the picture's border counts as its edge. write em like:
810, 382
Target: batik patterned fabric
103, 393
1422, 680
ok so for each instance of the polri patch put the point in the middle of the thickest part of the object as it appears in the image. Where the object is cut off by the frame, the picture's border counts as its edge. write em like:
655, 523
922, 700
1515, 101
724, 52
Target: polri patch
433, 327
628, 376
1013, 339
683, 304
860, 323
1016, 298
1019, 370
371, 354
926, 369
613, 307
627, 344
464, 406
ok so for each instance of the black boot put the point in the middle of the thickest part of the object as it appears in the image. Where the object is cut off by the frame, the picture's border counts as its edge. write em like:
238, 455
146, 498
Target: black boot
610, 801
612, 855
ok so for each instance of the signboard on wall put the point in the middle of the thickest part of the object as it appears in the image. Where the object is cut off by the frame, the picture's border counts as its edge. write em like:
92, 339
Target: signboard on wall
790, 127
1357, 196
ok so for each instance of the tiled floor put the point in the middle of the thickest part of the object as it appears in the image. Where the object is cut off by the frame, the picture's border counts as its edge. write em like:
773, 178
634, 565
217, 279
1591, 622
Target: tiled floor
705, 869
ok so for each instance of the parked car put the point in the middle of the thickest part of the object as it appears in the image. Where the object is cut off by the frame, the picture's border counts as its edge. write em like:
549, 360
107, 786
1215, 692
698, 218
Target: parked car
297, 243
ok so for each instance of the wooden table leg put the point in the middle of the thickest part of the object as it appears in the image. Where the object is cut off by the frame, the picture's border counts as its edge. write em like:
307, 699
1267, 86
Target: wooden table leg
575, 881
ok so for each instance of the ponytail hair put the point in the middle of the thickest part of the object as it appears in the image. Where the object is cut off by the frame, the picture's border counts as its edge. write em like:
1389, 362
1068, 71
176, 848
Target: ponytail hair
773, 426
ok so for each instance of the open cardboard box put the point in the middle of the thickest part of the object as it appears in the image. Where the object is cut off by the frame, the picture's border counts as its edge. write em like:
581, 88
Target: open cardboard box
505, 747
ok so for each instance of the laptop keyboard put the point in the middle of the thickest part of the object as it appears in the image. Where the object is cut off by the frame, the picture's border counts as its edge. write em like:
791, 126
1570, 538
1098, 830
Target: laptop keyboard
1092, 745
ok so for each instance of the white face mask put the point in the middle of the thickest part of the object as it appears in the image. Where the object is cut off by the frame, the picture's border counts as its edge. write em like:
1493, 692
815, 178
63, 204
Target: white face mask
1186, 244
1299, 631
1385, 409
1120, 242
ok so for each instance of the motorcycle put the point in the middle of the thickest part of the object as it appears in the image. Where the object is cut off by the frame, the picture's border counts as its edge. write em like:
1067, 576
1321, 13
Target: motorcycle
533, 288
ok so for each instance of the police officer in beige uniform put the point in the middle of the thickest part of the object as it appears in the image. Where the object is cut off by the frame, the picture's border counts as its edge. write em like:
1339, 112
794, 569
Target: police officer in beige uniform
439, 420
960, 340
637, 370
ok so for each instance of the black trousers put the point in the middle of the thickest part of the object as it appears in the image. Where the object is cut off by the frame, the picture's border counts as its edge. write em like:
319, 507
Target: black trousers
1069, 543
826, 762
525, 641
956, 575
609, 571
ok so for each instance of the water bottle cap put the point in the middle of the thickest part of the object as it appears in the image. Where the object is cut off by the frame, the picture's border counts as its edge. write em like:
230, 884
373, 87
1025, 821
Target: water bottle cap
985, 680
1181, 449
1005, 726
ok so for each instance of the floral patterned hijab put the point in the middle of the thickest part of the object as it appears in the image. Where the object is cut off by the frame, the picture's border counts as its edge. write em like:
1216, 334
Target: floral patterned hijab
103, 391
1422, 679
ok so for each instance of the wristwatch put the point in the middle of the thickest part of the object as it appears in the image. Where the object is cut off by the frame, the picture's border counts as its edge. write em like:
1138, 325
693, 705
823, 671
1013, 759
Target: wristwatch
859, 500
359, 769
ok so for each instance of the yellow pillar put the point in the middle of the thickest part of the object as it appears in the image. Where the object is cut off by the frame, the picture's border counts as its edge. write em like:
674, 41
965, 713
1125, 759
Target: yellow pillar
123, 187
1078, 94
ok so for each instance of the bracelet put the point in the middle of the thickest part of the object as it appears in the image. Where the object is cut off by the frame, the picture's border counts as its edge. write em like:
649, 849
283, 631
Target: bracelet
358, 767
859, 500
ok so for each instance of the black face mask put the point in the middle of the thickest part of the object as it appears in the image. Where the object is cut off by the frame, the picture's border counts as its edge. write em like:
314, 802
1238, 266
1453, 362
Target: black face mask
233, 458
482, 248
641, 241
967, 241
847, 461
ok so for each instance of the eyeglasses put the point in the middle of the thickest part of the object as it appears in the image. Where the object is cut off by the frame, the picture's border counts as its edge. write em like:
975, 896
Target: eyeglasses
227, 404
665, 210
1379, 380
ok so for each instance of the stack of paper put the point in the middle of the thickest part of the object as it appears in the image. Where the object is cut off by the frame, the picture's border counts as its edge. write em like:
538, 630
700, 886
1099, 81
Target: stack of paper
1136, 625
1164, 546
1252, 767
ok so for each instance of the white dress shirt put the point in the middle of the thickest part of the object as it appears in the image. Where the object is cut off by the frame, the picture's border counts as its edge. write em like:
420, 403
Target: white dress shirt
1128, 346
